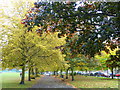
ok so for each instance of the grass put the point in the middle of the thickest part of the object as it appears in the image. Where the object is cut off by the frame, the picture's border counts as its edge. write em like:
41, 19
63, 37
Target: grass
92, 82
11, 80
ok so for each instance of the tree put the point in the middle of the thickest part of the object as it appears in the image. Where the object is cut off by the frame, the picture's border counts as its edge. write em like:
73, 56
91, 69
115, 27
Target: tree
108, 60
12, 14
32, 50
94, 21
19, 53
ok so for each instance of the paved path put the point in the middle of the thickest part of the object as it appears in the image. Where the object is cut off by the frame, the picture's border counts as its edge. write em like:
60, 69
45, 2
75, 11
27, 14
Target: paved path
50, 82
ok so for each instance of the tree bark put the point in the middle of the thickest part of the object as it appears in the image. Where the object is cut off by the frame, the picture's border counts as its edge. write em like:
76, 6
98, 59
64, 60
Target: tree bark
32, 71
61, 73
115, 69
23, 75
54, 73
67, 73
86, 70
72, 74
112, 72
36, 72
29, 71
107, 71
57, 72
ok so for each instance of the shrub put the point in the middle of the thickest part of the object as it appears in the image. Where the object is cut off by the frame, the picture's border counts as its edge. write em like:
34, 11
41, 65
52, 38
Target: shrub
32, 76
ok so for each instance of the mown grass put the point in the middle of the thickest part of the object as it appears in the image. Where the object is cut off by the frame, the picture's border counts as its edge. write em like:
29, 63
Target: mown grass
11, 80
92, 82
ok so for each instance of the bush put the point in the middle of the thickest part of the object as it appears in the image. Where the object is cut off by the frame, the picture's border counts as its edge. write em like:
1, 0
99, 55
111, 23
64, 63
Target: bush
32, 76
75, 73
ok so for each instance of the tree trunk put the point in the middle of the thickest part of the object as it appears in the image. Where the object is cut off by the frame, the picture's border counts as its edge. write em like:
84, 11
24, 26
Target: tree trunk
72, 74
67, 73
23, 75
32, 71
107, 71
54, 73
115, 69
57, 72
118, 69
61, 73
86, 70
112, 72
36, 72
89, 72
29, 78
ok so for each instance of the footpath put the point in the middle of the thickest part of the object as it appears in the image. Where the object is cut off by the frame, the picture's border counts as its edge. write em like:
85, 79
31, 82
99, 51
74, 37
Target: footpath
51, 82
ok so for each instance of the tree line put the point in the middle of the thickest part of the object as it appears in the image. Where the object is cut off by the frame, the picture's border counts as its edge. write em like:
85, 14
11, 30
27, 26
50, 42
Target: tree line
58, 36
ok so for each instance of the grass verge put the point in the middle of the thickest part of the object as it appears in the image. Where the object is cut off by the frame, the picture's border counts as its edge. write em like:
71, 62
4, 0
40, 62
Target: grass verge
92, 82
11, 80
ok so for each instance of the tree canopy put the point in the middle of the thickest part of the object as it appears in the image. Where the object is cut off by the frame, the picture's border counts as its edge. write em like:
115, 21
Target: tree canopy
96, 22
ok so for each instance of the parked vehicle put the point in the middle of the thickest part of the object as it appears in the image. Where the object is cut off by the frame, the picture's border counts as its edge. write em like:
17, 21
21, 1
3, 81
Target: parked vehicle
97, 74
113, 74
92, 73
87, 74
100, 74
78, 73
106, 74
117, 75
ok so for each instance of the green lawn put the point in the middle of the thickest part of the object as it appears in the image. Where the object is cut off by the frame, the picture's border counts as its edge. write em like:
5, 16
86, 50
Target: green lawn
11, 80
93, 82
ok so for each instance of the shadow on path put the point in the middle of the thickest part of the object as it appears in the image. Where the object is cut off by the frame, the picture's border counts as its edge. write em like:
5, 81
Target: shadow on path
50, 82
